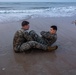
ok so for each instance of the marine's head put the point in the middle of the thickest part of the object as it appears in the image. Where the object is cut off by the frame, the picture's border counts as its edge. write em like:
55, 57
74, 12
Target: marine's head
25, 25
53, 29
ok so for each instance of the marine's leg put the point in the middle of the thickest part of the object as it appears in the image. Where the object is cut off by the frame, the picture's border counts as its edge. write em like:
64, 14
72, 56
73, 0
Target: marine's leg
53, 41
33, 44
36, 37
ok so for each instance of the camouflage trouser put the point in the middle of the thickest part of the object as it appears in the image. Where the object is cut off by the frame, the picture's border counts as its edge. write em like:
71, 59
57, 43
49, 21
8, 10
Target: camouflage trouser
36, 37
32, 44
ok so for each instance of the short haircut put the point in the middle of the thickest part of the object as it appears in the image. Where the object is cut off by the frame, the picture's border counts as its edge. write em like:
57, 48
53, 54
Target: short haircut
25, 23
54, 27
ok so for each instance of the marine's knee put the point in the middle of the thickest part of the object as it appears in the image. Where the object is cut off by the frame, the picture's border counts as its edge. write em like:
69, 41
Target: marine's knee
32, 43
26, 46
32, 32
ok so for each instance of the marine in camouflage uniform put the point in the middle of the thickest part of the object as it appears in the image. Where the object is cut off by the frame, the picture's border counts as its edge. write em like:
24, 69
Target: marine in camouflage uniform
46, 38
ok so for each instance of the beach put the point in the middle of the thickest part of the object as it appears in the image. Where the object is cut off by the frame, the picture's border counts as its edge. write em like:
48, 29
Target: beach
37, 62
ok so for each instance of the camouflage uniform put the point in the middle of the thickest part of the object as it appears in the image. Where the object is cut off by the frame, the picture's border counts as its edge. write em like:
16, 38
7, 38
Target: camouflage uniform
46, 38
23, 41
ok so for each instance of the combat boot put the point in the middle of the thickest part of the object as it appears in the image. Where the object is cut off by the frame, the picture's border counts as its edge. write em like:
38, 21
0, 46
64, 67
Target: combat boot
52, 48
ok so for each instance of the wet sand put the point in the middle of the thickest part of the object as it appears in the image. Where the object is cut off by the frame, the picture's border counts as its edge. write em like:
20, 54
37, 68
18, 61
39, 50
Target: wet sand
59, 62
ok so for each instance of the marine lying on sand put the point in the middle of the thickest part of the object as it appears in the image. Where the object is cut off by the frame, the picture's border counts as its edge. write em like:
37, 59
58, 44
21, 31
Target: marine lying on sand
24, 40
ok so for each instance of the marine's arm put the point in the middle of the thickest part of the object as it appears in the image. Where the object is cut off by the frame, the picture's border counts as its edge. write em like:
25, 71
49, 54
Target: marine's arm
16, 41
47, 35
27, 36
44, 34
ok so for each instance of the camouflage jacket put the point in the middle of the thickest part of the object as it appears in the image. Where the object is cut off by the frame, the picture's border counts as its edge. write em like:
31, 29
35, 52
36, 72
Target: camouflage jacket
20, 37
49, 38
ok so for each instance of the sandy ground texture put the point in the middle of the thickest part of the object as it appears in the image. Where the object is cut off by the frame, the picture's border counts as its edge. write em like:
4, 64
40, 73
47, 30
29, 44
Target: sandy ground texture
59, 62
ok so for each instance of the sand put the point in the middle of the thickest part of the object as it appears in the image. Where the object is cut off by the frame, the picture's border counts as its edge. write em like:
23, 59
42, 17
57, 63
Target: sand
59, 62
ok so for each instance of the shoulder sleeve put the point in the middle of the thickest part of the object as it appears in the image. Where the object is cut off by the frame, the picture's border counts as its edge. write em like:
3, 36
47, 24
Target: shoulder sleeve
16, 34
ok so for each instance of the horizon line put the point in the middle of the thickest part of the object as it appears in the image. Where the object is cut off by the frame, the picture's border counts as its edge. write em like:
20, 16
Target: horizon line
26, 1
